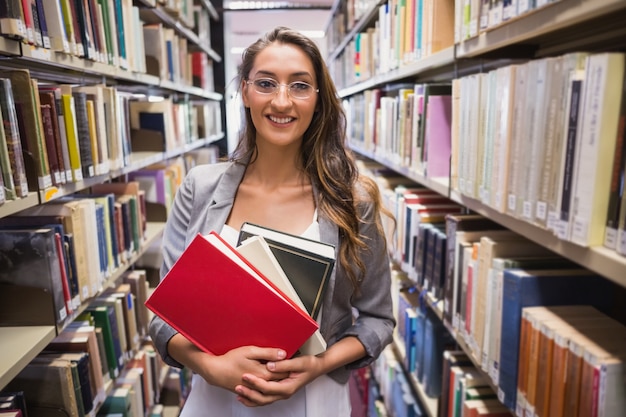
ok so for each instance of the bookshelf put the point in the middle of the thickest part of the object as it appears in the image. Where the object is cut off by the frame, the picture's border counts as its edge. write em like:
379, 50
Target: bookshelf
553, 29
22, 343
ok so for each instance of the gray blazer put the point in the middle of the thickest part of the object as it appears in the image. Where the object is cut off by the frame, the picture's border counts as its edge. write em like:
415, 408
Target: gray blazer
203, 203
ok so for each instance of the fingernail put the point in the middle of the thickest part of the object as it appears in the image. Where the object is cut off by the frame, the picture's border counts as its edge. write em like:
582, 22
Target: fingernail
281, 354
271, 366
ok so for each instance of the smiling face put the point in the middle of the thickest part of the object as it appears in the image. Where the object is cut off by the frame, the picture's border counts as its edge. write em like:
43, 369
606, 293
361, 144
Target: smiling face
280, 119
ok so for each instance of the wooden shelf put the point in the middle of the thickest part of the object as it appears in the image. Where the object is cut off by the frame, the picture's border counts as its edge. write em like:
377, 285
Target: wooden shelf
138, 160
160, 15
439, 185
598, 259
436, 61
13, 206
19, 345
9, 46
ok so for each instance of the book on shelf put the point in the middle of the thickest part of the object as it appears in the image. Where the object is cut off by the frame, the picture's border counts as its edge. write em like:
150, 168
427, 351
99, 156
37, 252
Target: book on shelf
139, 287
30, 259
81, 360
105, 318
491, 247
118, 402
11, 19
12, 139
257, 251
307, 263
524, 288
132, 379
83, 339
538, 328
618, 176
453, 223
13, 403
598, 131
29, 122
228, 302
450, 358
48, 386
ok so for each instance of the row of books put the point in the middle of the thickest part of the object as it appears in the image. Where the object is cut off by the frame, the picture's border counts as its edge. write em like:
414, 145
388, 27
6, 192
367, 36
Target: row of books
101, 31
110, 32
545, 144
72, 132
99, 361
71, 246
391, 394
489, 275
473, 17
465, 391
404, 33
406, 124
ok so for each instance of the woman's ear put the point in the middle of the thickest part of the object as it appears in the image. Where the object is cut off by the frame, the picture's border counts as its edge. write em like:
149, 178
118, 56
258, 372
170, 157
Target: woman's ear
244, 93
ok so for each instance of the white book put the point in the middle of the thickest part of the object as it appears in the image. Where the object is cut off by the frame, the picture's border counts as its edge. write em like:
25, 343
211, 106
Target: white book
598, 130
56, 29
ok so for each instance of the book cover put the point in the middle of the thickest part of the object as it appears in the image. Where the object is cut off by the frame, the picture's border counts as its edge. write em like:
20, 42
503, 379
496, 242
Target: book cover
256, 250
437, 136
83, 339
48, 100
83, 134
48, 386
104, 318
598, 132
307, 263
7, 186
228, 303
12, 137
57, 170
11, 19
81, 360
29, 123
28, 257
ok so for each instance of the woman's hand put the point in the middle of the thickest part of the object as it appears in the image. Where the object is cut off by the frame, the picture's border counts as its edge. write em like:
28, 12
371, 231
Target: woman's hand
227, 370
256, 391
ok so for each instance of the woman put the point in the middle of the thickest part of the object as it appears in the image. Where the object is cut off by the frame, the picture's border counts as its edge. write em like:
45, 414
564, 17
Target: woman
290, 172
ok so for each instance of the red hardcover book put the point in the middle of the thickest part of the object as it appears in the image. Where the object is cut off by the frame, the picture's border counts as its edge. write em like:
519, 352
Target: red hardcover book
213, 296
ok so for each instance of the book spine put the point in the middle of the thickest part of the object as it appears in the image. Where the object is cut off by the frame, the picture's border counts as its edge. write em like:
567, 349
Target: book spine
29, 123
56, 170
575, 99
617, 177
83, 134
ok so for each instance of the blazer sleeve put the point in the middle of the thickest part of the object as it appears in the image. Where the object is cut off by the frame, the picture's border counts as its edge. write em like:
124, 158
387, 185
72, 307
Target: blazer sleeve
173, 243
372, 305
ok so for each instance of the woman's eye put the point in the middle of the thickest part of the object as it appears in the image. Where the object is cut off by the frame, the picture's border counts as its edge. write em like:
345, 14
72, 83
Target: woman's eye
300, 86
266, 84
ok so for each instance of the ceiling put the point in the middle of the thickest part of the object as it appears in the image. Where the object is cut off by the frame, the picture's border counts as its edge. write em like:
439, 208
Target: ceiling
243, 27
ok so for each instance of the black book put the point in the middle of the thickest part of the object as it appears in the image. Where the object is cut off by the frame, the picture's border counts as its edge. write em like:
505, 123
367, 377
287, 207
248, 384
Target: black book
307, 263
29, 258
84, 136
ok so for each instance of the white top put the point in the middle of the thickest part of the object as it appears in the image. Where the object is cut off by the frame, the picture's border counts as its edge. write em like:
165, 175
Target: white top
321, 398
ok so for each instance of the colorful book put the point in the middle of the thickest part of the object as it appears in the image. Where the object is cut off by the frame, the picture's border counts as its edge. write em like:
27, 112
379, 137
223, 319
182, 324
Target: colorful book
227, 302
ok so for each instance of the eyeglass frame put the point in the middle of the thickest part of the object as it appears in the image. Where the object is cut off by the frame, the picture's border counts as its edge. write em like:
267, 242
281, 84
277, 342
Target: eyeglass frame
278, 85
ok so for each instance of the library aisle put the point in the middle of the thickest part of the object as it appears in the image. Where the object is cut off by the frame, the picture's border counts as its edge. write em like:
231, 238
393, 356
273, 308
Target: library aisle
494, 130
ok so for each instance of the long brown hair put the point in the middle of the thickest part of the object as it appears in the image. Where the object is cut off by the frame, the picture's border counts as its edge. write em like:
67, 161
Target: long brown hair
325, 158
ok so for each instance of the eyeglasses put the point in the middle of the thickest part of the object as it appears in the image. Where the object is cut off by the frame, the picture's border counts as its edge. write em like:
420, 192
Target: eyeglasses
296, 89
